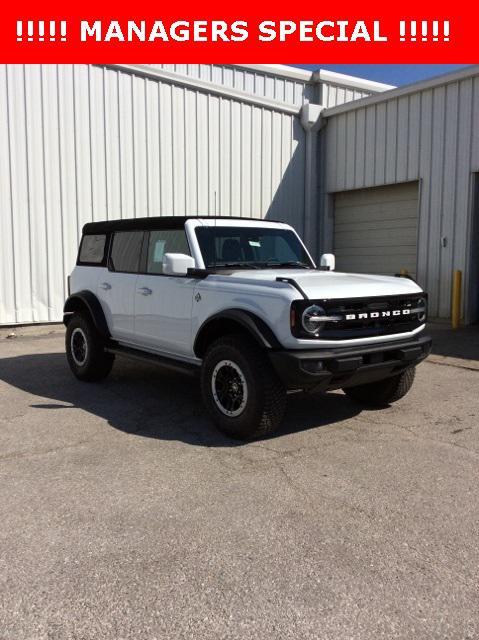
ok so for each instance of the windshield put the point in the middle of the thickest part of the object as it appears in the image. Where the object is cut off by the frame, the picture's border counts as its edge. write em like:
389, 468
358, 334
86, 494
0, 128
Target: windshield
251, 248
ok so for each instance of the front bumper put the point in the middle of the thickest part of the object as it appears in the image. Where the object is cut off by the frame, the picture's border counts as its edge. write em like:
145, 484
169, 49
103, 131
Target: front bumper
327, 369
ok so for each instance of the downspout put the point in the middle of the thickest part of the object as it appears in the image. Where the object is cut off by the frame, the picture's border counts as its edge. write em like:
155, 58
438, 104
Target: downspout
311, 121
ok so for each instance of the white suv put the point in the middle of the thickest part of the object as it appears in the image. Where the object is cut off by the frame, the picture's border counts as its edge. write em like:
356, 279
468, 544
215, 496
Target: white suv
241, 302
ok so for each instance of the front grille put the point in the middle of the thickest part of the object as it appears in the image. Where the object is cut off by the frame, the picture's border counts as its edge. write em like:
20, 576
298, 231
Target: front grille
364, 317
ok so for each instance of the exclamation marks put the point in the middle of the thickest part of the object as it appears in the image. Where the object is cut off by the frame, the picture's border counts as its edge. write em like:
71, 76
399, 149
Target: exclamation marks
446, 31
413, 31
424, 31
408, 31
36, 31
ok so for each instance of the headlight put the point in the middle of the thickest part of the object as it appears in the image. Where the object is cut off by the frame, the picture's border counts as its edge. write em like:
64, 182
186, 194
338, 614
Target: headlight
313, 318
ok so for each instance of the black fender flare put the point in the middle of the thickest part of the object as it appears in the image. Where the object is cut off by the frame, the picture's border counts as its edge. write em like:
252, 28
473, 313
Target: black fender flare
255, 326
88, 300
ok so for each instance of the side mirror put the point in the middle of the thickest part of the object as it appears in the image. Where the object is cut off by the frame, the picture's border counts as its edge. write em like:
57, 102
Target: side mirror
328, 261
177, 264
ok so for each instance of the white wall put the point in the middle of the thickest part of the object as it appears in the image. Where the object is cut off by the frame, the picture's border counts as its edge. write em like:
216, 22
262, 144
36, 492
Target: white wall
334, 94
429, 134
279, 82
88, 142
273, 86
83, 142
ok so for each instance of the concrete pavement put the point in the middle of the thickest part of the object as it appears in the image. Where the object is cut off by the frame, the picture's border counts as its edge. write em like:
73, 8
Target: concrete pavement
124, 514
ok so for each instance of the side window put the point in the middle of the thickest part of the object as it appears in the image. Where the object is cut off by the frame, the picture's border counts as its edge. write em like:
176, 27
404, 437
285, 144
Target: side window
165, 241
126, 250
92, 249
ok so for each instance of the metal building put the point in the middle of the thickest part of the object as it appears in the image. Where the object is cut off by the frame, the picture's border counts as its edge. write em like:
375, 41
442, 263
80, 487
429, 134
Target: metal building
400, 188
386, 178
89, 142
279, 82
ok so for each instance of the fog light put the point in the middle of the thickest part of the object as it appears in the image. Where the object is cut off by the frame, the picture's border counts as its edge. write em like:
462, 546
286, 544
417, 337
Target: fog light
421, 308
312, 366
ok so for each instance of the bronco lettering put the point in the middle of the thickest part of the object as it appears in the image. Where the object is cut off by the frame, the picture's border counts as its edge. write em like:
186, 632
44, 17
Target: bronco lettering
377, 314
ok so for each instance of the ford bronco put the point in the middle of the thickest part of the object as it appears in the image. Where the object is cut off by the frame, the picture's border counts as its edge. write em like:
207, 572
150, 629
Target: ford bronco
242, 303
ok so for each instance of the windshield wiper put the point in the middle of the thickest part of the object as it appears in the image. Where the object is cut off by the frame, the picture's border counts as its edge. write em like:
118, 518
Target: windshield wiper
235, 265
297, 264
292, 264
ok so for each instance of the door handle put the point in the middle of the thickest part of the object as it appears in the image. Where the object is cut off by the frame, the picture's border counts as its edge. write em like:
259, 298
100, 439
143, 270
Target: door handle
145, 291
105, 285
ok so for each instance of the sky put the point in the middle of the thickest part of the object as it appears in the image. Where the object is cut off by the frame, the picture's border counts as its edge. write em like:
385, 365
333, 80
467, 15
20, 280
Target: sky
395, 74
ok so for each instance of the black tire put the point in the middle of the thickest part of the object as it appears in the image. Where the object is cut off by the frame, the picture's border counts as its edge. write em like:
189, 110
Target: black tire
383, 392
264, 400
93, 363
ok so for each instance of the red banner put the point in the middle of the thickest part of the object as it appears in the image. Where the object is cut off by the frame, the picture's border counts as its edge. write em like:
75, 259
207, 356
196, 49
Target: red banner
343, 32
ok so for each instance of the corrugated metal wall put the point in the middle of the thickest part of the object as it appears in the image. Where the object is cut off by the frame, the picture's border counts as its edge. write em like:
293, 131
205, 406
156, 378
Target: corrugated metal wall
272, 86
85, 143
333, 94
432, 136
257, 83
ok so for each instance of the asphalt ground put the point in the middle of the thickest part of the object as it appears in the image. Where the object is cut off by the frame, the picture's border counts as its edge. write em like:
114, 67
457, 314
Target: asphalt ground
124, 514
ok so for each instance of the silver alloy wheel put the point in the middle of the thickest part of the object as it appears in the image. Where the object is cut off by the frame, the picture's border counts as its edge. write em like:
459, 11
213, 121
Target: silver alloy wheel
79, 346
229, 388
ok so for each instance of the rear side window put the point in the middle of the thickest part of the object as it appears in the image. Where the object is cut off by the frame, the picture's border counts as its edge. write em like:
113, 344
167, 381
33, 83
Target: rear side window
126, 251
92, 249
165, 241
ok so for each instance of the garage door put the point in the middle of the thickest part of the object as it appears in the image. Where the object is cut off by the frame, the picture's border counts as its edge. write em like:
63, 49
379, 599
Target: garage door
375, 230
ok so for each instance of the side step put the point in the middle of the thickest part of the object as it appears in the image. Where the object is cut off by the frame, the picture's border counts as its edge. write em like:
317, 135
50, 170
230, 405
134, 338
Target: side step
145, 356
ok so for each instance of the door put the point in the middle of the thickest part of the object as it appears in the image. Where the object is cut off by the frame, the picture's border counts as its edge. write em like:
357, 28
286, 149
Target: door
117, 284
472, 290
163, 303
376, 229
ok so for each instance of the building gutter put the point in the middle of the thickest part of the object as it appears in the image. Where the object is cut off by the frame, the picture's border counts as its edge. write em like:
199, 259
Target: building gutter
316, 77
211, 88
292, 73
350, 82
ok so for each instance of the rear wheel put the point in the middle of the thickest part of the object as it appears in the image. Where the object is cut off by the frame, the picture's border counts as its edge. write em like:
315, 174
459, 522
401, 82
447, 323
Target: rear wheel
383, 392
241, 391
85, 350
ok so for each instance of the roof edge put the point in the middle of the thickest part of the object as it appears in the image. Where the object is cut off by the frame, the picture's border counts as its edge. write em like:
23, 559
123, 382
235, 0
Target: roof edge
204, 86
421, 85
294, 73
322, 75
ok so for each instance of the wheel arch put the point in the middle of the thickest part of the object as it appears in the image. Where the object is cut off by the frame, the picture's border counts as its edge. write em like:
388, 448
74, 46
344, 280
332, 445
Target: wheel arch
86, 302
234, 321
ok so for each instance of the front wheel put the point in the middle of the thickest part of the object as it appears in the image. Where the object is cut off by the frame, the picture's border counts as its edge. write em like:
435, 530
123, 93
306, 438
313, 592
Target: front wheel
240, 389
383, 392
85, 350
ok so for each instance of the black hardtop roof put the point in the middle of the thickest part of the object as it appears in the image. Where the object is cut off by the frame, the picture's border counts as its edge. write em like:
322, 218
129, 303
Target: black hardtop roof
146, 224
